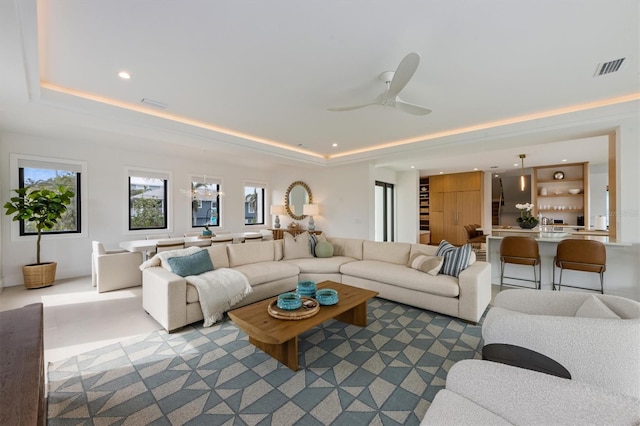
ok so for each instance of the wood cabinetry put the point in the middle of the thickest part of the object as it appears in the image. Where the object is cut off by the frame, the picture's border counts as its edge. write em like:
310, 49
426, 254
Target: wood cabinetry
423, 202
455, 201
552, 197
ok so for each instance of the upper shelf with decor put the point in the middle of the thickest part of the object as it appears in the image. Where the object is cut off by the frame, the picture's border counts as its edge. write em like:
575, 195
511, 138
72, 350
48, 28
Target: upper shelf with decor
564, 190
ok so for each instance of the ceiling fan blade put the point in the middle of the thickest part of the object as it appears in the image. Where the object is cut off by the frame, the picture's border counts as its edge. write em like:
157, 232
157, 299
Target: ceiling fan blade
350, 108
411, 108
403, 74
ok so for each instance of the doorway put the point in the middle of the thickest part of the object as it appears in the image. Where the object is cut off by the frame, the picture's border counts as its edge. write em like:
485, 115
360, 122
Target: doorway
384, 212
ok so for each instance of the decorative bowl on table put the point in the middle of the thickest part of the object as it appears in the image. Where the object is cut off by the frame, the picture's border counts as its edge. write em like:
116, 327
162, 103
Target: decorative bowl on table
289, 301
306, 288
574, 191
327, 296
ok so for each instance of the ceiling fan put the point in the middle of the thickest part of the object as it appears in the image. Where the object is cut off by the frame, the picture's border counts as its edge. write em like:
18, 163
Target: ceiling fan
395, 83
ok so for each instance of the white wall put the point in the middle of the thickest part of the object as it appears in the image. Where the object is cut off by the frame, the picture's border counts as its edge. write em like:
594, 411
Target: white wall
345, 195
107, 196
407, 217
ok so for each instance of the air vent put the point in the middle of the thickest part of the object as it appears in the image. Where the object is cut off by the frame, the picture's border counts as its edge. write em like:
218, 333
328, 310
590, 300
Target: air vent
608, 67
153, 103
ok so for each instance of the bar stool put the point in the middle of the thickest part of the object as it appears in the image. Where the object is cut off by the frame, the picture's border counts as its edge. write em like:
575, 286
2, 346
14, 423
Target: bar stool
520, 251
583, 256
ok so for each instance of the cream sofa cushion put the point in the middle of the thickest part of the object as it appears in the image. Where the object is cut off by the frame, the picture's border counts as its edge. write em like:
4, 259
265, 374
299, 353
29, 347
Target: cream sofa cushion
321, 265
219, 257
431, 251
427, 264
391, 252
297, 247
349, 247
242, 254
402, 276
264, 272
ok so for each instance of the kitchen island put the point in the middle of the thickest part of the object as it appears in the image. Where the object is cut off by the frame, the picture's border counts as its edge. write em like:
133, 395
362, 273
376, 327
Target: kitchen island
621, 276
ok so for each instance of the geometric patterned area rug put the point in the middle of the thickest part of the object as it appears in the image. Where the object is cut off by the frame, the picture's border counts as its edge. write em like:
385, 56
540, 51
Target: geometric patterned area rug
384, 374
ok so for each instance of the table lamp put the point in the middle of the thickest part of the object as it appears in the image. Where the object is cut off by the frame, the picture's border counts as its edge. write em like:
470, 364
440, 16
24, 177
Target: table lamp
277, 209
311, 210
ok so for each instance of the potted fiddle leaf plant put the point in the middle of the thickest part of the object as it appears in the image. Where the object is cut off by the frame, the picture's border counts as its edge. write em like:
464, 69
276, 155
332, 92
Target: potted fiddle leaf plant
43, 208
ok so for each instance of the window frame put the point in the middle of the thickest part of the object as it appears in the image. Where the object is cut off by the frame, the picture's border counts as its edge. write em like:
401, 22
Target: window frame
260, 210
18, 161
208, 181
163, 175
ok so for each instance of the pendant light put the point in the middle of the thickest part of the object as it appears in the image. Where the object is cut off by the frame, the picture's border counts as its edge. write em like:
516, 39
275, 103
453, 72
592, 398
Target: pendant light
522, 179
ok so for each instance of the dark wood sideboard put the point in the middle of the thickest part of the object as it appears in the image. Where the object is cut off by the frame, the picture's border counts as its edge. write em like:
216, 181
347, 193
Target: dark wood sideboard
22, 400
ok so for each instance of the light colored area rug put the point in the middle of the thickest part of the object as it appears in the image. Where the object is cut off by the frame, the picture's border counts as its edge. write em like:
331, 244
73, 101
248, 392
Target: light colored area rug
386, 374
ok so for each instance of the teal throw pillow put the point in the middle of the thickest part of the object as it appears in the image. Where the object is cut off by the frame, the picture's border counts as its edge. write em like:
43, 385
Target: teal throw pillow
194, 264
324, 249
456, 259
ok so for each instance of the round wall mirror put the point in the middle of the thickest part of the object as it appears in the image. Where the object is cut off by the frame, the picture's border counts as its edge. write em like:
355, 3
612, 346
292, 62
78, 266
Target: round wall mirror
298, 194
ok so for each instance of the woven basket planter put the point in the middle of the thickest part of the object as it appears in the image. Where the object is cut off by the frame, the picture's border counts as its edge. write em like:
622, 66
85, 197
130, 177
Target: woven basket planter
39, 275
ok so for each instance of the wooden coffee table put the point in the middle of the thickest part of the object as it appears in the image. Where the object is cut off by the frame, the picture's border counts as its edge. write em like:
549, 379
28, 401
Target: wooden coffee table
279, 338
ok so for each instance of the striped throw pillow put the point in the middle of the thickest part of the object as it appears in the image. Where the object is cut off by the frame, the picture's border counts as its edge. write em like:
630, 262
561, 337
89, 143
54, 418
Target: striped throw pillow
456, 259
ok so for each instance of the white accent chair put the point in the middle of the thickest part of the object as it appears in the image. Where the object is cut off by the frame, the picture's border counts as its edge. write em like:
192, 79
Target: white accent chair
578, 330
114, 269
487, 393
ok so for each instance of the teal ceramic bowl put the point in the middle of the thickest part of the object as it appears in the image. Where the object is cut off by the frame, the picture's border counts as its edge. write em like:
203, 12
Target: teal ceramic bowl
289, 301
327, 296
306, 289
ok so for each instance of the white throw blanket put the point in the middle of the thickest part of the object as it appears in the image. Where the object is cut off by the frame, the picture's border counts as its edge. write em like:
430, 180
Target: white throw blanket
219, 290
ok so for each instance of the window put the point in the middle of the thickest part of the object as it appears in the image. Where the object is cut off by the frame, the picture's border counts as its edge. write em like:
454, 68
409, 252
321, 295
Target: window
41, 174
147, 200
205, 202
384, 217
254, 204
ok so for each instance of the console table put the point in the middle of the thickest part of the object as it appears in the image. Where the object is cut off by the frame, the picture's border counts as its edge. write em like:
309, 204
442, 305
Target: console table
278, 234
22, 399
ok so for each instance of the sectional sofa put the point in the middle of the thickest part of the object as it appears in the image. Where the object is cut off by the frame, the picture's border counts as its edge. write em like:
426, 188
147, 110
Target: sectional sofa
274, 267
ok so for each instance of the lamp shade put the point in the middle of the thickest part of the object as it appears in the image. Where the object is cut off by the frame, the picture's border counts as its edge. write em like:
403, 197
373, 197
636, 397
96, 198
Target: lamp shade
311, 209
277, 209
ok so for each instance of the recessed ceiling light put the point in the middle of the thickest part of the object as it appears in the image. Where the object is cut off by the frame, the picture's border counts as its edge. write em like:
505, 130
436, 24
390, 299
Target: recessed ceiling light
475, 169
515, 164
441, 173
124, 75
334, 145
564, 160
413, 167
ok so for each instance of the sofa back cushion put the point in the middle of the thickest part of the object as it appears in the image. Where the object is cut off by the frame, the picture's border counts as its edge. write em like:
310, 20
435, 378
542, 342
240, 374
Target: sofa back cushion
391, 252
349, 247
279, 249
218, 255
431, 251
297, 247
242, 254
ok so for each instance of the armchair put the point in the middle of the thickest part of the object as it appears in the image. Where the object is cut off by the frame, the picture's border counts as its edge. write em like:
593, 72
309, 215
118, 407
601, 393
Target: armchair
484, 392
593, 344
114, 269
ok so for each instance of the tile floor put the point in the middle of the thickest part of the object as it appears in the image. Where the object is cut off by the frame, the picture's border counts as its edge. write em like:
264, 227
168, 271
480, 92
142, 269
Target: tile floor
77, 319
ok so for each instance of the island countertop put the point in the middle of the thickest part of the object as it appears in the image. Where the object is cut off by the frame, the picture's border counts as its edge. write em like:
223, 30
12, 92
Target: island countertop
554, 237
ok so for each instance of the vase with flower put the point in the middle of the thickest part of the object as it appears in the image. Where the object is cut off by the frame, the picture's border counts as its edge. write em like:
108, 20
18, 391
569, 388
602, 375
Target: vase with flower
526, 219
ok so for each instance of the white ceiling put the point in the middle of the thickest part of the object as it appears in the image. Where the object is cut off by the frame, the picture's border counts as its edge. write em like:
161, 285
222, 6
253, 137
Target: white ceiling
256, 77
